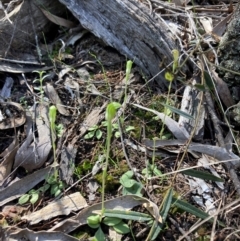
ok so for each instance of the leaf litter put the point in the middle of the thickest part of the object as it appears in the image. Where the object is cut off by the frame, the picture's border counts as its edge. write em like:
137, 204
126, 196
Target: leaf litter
33, 152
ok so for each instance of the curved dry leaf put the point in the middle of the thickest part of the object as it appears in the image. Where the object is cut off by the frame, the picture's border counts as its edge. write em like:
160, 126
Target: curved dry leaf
222, 89
217, 152
8, 159
13, 122
13, 12
7, 87
178, 131
220, 28
34, 151
58, 20
126, 202
63, 206
27, 234
190, 104
53, 96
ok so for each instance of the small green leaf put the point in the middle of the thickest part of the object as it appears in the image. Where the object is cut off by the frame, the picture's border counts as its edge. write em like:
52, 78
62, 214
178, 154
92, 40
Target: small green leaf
32, 191
23, 199
51, 179
202, 175
98, 134
121, 228
189, 208
59, 130
93, 128
136, 189
58, 192
208, 80
89, 135
34, 198
177, 111
44, 188
99, 235
152, 169
117, 134
86, 165
192, 209
130, 128
166, 204
54, 189
126, 179
157, 227
115, 126
200, 87
104, 123
61, 185
111, 221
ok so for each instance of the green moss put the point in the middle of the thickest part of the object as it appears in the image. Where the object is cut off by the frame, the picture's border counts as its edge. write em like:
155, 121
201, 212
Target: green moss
111, 184
83, 168
113, 176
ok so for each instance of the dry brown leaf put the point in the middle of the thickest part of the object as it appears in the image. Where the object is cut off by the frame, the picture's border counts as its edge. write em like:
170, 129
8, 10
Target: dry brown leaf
34, 151
8, 159
220, 28
13, 12
53, 96
223, 90
26, 234
57, 20
13, 211
64, 206
206, 23
92, 119
126, 202
177, 130
14, 121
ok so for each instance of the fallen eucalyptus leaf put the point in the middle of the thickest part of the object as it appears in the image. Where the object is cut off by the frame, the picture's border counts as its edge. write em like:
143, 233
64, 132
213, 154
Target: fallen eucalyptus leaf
64, 206
26, 234
125, 203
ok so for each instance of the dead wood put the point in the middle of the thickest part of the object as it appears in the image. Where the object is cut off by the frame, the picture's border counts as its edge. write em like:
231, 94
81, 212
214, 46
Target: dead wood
128, 26
229, 50
21, 23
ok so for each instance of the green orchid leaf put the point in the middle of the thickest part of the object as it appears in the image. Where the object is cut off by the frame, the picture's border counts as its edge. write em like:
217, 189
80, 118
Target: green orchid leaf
111, 221
121, 228
202, 175
179, 112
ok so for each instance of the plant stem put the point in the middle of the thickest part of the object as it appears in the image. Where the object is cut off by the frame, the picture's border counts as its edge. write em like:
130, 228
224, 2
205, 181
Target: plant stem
109, 134
165, 109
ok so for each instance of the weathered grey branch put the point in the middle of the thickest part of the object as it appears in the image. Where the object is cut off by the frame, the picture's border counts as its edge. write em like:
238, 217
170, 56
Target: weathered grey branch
127, 26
